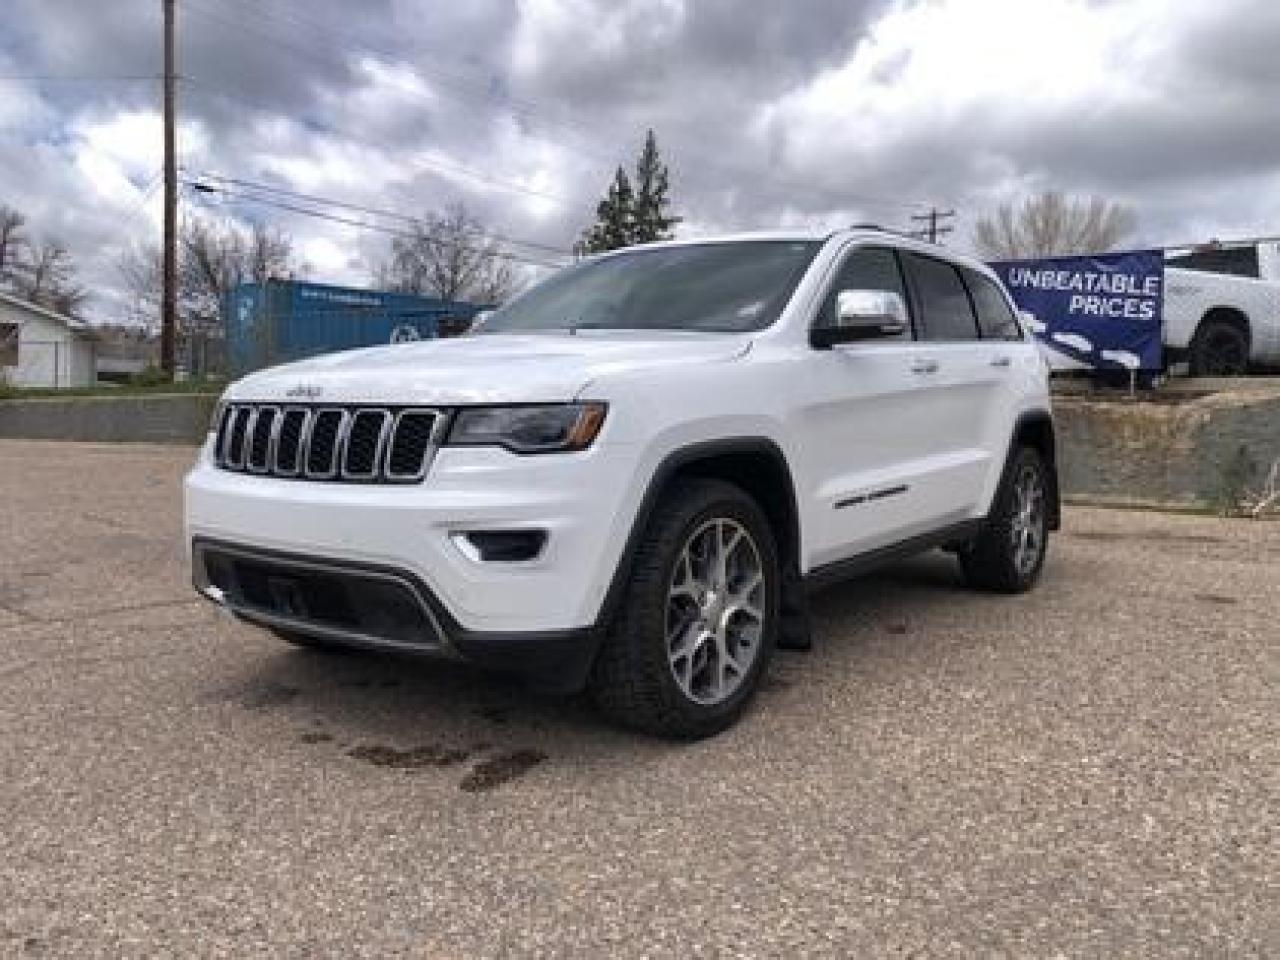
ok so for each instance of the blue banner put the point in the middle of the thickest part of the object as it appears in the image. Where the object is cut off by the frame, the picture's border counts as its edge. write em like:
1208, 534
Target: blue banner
1102, 311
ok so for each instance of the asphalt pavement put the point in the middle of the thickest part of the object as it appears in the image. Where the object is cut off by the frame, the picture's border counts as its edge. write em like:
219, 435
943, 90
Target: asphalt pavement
1092, 770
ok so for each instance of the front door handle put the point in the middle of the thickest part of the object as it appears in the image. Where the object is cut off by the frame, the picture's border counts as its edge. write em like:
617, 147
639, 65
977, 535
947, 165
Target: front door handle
1002, 361
924, 366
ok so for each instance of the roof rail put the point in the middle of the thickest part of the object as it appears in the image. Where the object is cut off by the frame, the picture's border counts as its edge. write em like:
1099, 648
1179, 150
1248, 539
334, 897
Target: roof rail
879, 229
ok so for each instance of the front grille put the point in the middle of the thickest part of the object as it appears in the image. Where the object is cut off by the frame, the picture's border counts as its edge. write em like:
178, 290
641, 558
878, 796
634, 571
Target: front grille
349, 443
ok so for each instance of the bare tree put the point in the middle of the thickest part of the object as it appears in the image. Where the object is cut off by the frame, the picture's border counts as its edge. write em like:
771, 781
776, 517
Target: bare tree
214, 256
40, 271
1051, 224
13, 240
47, 275
448, 255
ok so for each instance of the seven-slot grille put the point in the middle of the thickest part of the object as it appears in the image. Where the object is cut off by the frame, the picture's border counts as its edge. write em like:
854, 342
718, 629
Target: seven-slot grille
358, 444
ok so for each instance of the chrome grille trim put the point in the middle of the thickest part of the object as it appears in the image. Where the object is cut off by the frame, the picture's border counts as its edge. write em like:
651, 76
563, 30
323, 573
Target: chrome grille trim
294, 469
438, 423
251, 440
379, 445
335, 455
243, 419
238, 413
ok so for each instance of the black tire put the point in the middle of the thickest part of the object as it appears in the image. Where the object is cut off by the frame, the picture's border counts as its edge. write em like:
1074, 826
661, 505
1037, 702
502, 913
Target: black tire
633, 681
1219, 349
993, 560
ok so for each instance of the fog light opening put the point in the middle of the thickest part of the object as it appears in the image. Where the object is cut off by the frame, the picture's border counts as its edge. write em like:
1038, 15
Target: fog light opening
500, 546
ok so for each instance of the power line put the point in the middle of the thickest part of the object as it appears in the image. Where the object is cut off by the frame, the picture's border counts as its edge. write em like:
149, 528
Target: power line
442, 168
429, 238
130, 215
80, 78
373, 211
933, 231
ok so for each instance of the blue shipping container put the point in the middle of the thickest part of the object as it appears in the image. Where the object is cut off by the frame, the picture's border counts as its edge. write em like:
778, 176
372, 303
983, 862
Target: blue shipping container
283, 320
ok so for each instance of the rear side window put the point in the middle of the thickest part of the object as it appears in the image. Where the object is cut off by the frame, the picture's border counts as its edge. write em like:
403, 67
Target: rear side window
866, 268
996, 319
945, 312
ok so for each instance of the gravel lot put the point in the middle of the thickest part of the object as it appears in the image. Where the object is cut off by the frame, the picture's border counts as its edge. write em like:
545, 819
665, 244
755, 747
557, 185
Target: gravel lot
1088, 771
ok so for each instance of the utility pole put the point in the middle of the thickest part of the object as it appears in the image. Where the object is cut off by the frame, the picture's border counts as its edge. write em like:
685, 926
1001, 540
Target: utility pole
169, 297
934, 230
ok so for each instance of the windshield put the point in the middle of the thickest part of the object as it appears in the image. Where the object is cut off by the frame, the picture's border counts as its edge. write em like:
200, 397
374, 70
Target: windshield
727, 287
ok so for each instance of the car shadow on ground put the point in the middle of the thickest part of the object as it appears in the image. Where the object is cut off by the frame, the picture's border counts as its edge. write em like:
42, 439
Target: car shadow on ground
404, 711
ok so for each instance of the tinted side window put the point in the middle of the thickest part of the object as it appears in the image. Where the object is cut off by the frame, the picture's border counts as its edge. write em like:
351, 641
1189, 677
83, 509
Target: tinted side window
1241, 261
866, 268
996, 319
945, 311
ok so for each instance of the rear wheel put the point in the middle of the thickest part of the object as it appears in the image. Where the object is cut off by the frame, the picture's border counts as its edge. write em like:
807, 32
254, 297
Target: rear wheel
1220, 349
699, 619
1009, 554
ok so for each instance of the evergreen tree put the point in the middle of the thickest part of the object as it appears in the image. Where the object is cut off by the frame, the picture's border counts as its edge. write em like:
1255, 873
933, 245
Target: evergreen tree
627, 216
614, 216
651, 220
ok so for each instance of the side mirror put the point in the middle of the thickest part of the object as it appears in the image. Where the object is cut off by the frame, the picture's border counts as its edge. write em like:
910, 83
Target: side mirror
863, 315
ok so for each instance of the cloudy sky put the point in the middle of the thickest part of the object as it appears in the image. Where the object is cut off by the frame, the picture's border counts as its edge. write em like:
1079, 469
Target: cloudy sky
818, 112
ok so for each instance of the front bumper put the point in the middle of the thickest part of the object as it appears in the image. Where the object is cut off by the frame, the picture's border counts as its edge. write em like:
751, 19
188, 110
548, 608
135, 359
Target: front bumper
583, 502
378, 608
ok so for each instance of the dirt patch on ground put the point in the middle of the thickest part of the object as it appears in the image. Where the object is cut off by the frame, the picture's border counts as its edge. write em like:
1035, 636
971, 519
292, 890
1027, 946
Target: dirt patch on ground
501, 769
1216, 598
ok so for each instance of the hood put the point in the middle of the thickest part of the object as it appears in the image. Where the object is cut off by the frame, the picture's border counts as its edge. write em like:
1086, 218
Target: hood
494, 368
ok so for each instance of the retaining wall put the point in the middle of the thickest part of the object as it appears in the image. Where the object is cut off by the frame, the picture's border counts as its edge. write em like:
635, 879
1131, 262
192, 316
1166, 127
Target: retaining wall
1178, 450
1188, 451
169, 418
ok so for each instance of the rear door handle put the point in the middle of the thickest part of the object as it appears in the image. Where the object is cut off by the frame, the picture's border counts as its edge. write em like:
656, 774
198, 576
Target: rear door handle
924, 366
1002, 361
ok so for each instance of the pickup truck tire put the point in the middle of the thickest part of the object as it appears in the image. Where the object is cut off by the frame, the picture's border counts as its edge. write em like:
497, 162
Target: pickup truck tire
1008, 555
699, 618
1220, 348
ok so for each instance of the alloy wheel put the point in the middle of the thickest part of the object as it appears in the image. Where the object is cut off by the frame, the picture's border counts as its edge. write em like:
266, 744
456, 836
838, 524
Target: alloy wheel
715, 611
1028, 527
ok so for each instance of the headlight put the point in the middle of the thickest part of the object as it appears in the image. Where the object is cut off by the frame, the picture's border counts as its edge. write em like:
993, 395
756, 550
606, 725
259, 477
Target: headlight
532, 429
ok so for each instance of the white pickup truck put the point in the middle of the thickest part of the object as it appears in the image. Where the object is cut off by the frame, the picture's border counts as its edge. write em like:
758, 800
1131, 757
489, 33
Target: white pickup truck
1222, 308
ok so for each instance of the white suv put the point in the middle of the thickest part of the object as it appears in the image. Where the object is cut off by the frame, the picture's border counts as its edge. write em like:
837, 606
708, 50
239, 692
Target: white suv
631, 475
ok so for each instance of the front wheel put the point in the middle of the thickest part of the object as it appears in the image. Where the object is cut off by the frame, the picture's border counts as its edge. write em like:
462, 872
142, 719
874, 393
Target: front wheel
699, 619
1009, 553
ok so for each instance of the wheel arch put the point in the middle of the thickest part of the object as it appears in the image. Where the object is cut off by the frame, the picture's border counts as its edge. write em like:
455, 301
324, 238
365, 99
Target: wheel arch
1229, 315
1035, 429
755, 464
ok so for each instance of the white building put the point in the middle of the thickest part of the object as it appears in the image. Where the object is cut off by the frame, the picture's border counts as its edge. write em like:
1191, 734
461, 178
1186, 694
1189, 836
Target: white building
42, 348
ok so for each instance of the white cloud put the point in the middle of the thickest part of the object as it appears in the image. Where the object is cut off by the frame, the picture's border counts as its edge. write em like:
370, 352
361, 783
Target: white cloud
940, 63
